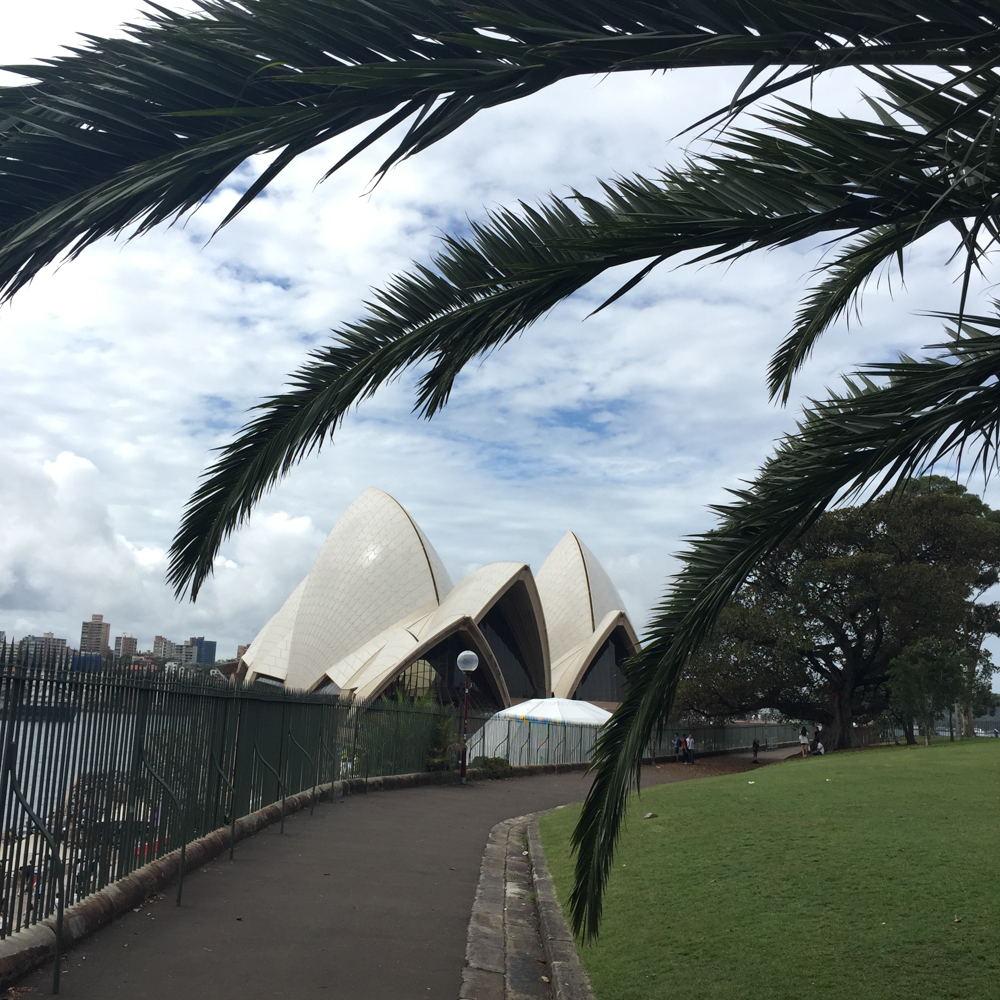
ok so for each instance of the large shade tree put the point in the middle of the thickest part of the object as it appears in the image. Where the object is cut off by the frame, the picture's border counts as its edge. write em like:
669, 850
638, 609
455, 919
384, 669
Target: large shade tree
124, 134
816, 626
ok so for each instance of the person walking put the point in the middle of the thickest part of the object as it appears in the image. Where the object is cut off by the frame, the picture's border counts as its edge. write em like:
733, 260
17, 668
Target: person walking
690, 747
755, 746
804, 741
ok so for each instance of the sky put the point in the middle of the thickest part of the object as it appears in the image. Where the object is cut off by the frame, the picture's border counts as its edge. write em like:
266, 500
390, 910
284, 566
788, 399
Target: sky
123, 369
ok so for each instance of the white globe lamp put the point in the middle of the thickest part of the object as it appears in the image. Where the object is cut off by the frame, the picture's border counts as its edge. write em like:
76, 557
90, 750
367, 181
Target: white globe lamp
467, 662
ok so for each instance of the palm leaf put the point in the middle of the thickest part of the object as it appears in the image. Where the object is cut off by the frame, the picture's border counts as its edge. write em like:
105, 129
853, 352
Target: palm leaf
839, 290
772, 189
876, 432
132, 132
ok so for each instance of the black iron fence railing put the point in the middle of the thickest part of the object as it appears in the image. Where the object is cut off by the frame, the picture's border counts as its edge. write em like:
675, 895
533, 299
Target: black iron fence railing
106, 769
736, 736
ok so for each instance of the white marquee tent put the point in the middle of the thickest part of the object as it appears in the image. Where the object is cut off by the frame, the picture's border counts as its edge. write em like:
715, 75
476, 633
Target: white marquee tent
540, 731
556, 710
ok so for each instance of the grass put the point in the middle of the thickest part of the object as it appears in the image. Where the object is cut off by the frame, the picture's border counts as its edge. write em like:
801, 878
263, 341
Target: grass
834, 877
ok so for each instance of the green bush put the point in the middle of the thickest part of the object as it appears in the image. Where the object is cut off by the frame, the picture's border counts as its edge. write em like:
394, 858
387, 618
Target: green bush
441, 756
493, 767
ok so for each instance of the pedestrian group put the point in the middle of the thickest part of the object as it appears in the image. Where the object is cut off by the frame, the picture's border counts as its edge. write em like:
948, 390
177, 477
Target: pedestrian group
684, 745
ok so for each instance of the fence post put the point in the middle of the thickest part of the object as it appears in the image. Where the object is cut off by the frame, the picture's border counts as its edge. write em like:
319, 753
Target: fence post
135, 774
182, 818
232, 805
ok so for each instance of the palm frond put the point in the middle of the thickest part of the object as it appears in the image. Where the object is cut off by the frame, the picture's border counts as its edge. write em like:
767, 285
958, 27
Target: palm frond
772, 188
133, 132
843, 281
892, 423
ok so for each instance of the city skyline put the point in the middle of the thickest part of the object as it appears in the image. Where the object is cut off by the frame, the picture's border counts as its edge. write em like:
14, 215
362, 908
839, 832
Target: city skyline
95, 637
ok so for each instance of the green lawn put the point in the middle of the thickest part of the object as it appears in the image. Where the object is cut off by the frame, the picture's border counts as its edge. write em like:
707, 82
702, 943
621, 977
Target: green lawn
834, 877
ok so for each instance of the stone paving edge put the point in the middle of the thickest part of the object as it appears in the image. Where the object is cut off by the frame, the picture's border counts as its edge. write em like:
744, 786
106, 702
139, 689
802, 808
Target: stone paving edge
31, 948
483, 977
569, 978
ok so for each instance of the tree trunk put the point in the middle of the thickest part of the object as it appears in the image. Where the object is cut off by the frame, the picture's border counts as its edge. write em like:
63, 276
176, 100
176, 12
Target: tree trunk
844, 734
966, 721
911, 740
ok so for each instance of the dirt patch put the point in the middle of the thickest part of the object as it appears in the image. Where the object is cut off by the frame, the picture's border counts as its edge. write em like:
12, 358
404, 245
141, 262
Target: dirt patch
706, 767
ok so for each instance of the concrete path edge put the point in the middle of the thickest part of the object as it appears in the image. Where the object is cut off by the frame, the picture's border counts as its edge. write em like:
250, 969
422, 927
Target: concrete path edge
487, 965
33, 947
569, 978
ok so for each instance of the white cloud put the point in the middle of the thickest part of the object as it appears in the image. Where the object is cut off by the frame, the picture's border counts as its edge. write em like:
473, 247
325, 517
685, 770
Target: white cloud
67, 467
124, 368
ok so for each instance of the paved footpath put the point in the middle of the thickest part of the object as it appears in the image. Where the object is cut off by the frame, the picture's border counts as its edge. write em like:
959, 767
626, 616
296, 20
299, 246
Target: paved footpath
368, 899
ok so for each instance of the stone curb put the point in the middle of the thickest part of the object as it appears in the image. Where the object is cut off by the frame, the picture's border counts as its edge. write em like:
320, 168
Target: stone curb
31, 948
497, 923
569, 978
491, 971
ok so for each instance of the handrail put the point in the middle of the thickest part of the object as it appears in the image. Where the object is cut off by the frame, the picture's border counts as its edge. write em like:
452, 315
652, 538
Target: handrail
232, 805
180, 813
305, 753
281, 784
57, 863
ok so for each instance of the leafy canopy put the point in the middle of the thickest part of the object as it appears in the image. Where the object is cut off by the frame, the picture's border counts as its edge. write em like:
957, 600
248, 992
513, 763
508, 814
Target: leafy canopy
926, 678
816, 626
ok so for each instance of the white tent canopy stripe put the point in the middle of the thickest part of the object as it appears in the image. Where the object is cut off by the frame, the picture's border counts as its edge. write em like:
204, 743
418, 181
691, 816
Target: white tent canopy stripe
556, 710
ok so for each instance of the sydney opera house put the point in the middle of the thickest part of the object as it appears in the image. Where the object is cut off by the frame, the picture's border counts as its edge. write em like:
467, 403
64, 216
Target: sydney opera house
378, 616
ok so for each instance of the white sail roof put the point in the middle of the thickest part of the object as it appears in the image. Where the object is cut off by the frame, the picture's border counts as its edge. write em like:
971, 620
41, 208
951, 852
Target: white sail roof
378, 598
375, 567
268, 653
576, 594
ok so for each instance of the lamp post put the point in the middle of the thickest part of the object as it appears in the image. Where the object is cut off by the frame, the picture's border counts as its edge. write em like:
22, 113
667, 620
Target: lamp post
467, 662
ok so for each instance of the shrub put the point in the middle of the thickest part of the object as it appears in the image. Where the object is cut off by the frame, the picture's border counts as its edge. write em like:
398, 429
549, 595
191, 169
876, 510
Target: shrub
493, 767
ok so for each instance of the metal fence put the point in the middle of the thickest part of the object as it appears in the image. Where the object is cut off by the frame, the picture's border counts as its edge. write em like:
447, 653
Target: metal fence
103, 771
522, 742
737, 736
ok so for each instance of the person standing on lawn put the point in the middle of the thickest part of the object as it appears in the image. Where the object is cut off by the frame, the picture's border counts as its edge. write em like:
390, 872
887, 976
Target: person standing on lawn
678, 746
756, 746
804, 741
690, 747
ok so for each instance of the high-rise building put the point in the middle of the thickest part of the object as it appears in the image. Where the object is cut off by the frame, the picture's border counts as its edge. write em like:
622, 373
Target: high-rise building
41, 648
126, 645
3, 639
30, 648
51, 645
95, 636
206, 650
197, 649
164, 649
